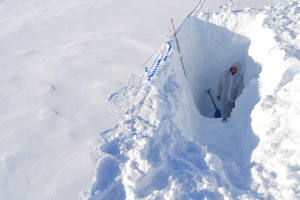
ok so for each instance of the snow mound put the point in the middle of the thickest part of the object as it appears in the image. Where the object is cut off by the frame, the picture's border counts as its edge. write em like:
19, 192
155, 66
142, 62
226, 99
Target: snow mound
167, 146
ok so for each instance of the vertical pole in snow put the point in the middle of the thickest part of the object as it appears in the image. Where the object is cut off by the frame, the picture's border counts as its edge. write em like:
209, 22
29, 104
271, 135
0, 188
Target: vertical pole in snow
178, 46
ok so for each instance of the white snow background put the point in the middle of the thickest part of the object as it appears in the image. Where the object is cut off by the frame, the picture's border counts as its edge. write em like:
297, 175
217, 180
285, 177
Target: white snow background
73, 127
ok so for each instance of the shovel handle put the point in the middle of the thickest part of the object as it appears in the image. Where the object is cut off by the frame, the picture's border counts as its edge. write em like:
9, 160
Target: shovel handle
208, 91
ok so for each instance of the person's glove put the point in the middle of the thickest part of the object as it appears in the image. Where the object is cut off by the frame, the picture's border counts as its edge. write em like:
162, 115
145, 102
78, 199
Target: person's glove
219, 97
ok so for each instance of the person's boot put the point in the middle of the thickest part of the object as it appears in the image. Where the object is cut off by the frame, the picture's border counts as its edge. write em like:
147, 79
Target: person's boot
224, 120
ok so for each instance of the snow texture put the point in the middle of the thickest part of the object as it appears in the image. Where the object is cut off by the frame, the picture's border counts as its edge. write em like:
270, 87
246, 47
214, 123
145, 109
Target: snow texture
158, 138
167, 144
59, 61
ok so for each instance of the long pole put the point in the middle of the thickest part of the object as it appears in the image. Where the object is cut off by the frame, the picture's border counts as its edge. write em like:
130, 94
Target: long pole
178, 47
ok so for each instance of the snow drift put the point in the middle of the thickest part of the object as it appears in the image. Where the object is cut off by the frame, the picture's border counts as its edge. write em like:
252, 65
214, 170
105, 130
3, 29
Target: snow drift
167, 146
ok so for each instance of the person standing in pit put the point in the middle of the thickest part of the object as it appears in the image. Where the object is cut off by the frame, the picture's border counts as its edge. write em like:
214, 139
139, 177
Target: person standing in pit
229, 88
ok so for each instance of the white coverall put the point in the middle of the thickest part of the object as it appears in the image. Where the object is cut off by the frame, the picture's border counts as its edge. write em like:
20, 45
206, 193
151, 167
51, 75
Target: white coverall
229, 88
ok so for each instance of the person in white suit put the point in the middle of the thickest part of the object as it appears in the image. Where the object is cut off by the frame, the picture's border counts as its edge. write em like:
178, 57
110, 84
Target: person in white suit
229, 88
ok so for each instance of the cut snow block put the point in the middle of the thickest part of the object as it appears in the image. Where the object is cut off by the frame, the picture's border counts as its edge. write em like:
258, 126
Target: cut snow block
111, 148
107, 171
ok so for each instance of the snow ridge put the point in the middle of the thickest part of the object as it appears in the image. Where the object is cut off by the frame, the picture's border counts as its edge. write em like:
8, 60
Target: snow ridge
163, 148
157, 161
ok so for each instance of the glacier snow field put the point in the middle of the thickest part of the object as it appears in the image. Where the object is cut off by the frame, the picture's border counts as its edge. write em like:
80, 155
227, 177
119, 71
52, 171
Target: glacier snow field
95, 104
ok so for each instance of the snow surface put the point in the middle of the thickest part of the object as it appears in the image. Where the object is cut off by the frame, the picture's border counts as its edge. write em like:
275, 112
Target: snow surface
166, 144
59, 61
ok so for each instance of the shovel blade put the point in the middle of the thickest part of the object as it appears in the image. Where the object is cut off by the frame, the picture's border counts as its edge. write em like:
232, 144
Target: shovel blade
218, 114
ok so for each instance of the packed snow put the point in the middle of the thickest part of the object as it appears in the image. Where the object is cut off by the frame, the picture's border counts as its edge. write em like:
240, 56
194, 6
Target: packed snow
157, 138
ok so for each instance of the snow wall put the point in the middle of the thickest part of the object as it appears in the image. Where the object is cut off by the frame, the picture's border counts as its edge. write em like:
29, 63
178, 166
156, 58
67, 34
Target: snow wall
208, 50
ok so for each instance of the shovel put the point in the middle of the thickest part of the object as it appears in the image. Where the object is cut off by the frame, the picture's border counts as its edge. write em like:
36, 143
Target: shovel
217, 112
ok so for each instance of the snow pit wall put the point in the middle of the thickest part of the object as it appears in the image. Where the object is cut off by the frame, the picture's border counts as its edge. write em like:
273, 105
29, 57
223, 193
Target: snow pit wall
208, 50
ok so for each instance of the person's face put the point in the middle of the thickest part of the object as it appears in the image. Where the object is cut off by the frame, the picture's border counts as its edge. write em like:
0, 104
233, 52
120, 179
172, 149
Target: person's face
233, 69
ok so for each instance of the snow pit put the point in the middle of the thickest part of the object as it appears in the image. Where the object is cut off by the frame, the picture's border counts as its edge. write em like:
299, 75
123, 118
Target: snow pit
163, 148
208, 50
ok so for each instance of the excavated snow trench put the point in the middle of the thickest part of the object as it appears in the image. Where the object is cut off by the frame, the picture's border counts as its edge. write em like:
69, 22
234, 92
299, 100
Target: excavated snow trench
208, 50
148, 148
148, 154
